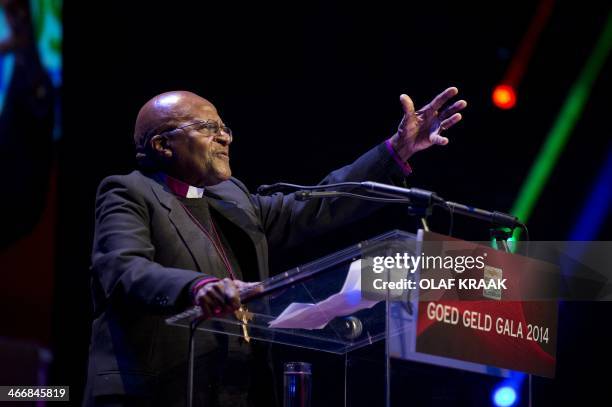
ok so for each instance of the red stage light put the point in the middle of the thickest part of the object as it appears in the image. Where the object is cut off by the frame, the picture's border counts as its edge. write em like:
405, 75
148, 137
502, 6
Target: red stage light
504, 96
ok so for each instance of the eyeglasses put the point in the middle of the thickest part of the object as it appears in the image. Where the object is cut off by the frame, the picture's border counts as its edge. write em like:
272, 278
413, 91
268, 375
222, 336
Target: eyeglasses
210, 127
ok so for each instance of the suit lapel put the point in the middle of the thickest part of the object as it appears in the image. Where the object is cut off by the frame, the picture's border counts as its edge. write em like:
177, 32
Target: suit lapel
230, 211
197, 243
236, 215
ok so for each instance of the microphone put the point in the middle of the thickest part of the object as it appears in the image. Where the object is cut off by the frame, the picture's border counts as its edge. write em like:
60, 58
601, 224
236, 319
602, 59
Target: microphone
274, 188
494, 217
415, 194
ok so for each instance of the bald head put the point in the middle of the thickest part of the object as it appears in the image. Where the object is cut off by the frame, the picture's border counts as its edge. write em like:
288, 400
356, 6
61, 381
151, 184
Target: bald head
166, 111
173, 134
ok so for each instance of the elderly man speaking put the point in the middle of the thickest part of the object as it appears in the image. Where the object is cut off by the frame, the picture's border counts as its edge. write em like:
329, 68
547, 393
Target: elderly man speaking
181, 231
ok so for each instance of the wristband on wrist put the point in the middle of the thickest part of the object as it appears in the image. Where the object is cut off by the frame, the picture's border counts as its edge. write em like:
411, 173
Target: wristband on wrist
405, 167
199, 284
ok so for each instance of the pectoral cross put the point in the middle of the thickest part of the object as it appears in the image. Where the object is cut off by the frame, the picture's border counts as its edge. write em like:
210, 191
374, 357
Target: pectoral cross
244, 316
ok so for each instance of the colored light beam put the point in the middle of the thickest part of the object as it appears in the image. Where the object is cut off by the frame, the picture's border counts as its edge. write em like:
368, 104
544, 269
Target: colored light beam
518, 65
562, 128
504, 94
506, 393
597, 205
504, 397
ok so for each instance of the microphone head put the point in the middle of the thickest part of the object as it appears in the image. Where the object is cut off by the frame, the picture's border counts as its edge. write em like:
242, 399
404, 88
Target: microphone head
262, 189
505, 219
269, 189
278, 187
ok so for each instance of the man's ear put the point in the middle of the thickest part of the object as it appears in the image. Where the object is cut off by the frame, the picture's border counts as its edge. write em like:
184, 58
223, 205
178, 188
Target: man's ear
160, 145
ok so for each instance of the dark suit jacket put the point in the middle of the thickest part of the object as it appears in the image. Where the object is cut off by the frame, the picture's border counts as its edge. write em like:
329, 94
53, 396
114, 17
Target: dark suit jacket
147, 252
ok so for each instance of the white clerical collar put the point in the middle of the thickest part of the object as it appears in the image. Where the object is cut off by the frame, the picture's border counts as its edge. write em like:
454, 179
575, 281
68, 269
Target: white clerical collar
181, 188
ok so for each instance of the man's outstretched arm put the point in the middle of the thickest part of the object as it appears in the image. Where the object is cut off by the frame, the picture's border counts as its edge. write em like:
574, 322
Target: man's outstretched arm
287, 221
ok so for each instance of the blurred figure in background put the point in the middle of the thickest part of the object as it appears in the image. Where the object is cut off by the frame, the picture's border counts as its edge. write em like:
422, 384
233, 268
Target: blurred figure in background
26, 127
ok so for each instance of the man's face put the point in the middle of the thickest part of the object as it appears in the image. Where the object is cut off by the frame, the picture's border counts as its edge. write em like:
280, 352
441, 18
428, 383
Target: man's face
199, 156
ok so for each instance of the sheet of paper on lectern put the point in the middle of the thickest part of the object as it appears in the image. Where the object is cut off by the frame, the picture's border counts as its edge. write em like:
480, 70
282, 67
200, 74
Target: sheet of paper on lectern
347, 301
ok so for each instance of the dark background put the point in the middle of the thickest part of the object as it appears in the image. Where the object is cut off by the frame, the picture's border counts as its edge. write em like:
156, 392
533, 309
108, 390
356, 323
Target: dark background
307, 87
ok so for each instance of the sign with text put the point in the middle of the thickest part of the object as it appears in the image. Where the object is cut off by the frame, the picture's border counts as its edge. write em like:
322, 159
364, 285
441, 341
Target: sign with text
502, 320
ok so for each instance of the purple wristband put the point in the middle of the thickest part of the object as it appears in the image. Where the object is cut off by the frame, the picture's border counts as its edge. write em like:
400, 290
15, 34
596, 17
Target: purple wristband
201, 284
405, 167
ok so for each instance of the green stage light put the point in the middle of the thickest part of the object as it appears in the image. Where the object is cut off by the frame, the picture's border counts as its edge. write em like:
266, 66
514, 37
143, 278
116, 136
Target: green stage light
562, 128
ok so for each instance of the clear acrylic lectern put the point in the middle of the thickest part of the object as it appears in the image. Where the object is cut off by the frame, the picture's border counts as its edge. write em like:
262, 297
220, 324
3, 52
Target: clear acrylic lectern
321, 306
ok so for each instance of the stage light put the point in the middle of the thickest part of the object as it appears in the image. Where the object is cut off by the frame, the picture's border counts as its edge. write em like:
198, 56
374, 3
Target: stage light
504, 396
504, 97
562, 128
597, 206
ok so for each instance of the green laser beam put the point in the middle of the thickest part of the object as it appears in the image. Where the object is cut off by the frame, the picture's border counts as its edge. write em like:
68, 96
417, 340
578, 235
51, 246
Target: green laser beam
564, 124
